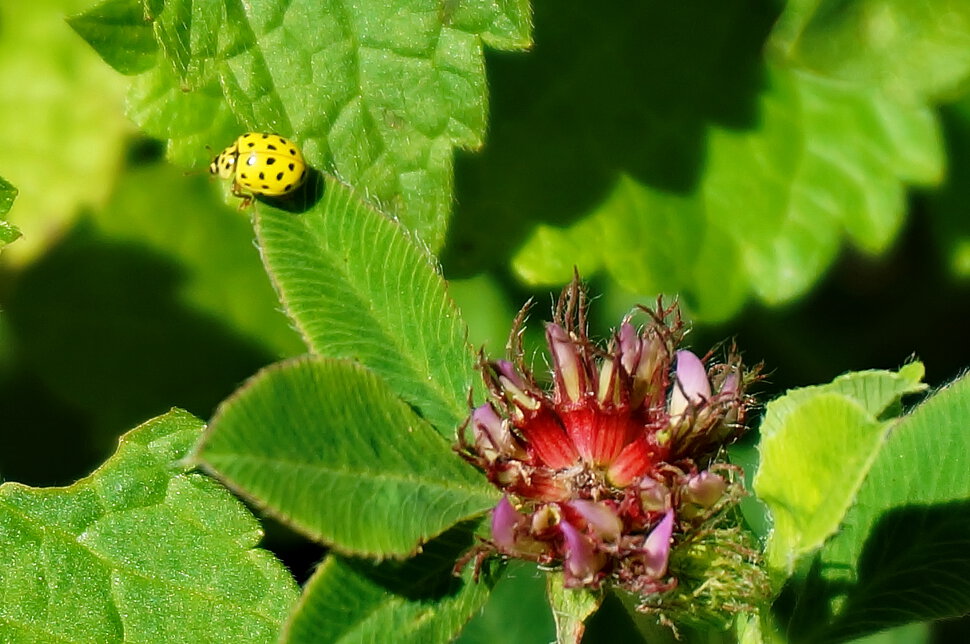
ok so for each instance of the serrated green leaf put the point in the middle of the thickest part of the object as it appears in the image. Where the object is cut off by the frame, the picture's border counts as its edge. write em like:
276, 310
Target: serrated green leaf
378, 94
861, 42
571, 607
326, 446
769, 210
8, 232
359, 286
817, 444
120, 33
900, 555
140, 551
418, 600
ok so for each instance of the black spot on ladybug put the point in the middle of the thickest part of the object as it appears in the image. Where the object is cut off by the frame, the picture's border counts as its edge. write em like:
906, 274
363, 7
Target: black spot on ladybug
270, 146
292, 152
243, 175
251, 144
302, 172
266, 136
261, 176
291, 167
282, 140
265, 187
287, 187
279, 176
271, 161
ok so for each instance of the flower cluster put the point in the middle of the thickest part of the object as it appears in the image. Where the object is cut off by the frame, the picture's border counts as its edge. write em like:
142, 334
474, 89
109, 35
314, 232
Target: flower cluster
618, 463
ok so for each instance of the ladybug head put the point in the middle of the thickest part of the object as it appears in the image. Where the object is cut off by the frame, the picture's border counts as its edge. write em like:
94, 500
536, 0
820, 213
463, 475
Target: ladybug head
223, 165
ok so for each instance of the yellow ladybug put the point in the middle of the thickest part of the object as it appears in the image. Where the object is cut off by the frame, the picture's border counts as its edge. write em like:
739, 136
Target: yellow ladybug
260, 164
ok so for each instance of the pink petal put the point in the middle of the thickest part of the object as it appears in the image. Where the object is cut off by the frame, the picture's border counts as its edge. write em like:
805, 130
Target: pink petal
505, 523
582, 561
656, 547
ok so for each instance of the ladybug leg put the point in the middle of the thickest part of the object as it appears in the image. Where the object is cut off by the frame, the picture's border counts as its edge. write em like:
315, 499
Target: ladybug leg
246, 197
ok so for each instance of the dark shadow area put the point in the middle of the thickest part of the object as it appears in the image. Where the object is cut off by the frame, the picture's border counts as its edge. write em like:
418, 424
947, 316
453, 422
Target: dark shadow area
869, 313
612, 623
303, 198
100, 342
427, 576
625, 88
913, 567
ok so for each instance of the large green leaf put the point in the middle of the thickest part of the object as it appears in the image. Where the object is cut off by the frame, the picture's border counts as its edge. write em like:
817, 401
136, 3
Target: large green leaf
377, 93
325, 445
8, 193
359, 286
670, 153
817, 444
769, 212
140, 551
418, 600
901, 553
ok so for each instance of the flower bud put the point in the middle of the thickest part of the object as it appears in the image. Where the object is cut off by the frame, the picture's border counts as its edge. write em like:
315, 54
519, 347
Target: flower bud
705, 489
691, 386
570, 382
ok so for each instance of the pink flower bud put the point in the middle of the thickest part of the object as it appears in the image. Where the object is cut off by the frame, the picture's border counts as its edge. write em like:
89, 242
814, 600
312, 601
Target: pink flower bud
630, 347
515, 387
569, 380
691, 386
492, 435
705, 489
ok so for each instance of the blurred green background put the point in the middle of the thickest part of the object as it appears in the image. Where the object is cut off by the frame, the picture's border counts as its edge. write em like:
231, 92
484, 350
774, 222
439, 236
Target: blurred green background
137, 288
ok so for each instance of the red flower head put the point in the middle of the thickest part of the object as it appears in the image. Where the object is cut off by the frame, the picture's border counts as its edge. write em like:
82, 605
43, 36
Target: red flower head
615, 462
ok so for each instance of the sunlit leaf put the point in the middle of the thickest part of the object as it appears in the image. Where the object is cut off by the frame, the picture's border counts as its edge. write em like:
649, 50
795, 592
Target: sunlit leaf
901, 553
61, 121
359, 286
140, 551
378, 94
8, 193
817, 444
326, 446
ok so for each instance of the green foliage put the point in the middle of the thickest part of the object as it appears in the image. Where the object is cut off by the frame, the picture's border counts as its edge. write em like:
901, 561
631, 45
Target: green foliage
517, 609
699, 168
570, 608
141, 550
8, 193
60, 121
378, 94
817, 444
359, 286
911, 49
328, 447
901, 554
157, 298
418, 600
